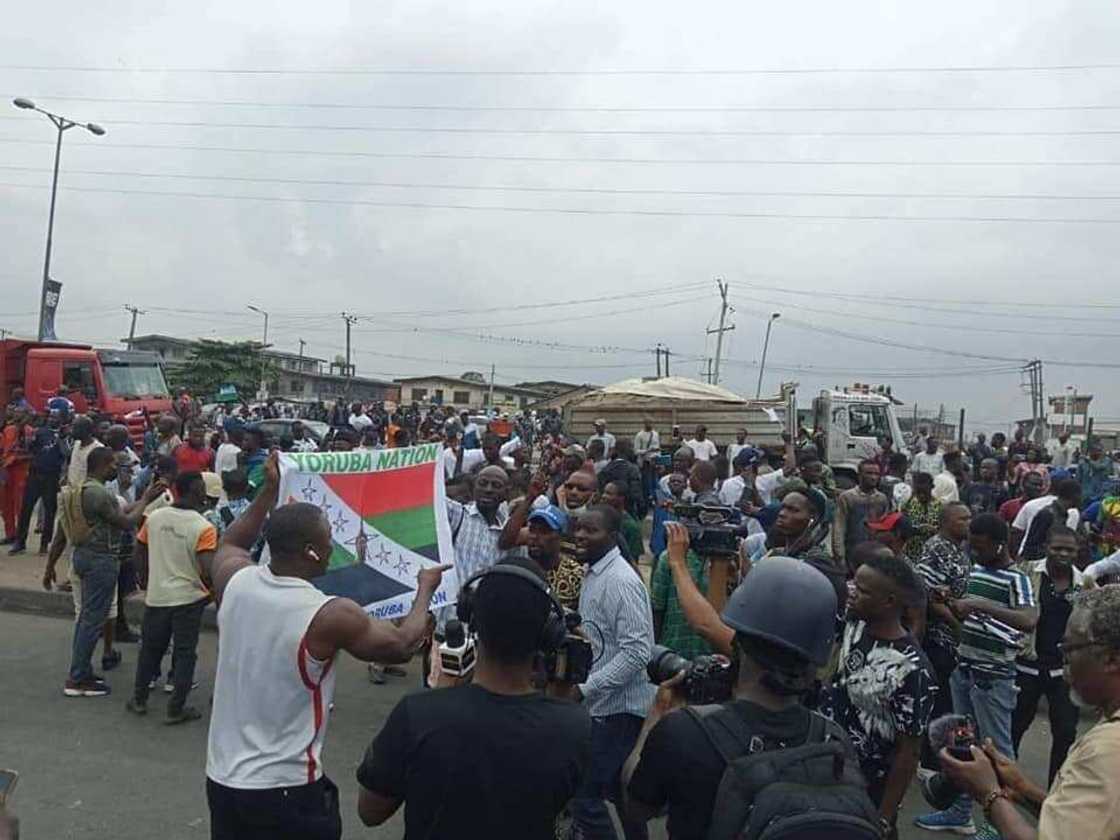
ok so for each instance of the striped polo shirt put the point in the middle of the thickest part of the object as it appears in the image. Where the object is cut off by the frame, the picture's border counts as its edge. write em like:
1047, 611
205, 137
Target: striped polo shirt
988, 645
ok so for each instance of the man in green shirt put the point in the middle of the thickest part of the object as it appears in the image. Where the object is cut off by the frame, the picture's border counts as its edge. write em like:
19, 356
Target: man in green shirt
97, 545
614, 495
670, 628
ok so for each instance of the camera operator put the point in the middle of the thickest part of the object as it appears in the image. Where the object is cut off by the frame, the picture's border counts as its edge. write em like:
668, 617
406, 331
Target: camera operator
480, 758
1084, 800
783, 617
800, 529
617, 618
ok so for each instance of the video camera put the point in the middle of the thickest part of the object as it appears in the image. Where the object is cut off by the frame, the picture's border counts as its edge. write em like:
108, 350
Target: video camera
712, 529
708, 679
571, 661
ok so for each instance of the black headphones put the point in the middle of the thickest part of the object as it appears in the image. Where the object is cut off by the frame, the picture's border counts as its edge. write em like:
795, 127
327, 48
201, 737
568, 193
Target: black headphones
552, 632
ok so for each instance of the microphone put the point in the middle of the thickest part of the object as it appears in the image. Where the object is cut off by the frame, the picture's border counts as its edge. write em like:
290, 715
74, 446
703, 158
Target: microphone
457, 650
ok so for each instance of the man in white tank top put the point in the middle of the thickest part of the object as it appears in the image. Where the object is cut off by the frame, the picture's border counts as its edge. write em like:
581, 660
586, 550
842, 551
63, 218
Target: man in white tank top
278, 639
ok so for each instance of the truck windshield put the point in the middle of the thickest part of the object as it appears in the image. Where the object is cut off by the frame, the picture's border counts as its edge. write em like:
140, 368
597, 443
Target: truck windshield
135, 381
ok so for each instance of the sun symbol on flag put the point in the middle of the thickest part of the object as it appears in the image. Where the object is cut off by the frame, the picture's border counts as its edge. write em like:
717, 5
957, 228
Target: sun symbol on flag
403, 566
309, 492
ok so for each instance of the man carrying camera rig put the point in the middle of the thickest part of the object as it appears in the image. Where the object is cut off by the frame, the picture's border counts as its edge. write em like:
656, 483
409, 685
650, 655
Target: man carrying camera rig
495, 757
783, 618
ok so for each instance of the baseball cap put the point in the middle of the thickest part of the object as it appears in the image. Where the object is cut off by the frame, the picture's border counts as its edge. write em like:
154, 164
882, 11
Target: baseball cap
213, 483
599, 422
574, 449
891, 522
552, 516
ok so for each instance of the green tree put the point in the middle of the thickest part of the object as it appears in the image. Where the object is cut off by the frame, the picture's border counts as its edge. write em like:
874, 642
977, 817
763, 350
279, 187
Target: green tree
212, 364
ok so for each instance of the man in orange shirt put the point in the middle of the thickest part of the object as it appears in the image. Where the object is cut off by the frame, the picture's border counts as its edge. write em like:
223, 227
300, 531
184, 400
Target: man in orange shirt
170, 549
14, 464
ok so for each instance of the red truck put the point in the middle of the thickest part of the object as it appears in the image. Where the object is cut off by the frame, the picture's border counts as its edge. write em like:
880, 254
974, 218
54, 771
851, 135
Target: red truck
118, 384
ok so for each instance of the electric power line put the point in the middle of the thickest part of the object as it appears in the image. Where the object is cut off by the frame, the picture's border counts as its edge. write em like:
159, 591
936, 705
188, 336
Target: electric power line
584, 159
609, 109
341, 182
586, 211
675, 71
611, 132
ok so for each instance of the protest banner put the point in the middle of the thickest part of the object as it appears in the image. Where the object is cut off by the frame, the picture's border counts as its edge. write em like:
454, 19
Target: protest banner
388, 519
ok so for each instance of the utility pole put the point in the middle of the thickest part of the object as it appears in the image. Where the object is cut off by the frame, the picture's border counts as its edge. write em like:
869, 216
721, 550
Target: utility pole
657, 350
723, 309
490, 399
302, 344
1033, 370
350, 321
132, 329
710, 371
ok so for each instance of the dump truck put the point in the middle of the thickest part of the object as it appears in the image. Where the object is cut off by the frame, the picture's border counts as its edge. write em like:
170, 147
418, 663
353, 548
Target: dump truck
118, 384
849, 424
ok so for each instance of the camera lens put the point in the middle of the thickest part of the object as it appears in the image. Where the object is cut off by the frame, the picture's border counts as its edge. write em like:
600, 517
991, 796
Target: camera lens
664, 664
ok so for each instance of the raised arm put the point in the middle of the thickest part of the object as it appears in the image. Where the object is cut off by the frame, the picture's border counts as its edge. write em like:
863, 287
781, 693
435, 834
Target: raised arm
698, 611
233, 551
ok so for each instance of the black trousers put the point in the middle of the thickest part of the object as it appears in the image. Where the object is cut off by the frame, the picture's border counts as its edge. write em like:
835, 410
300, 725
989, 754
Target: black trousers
162, 626
39, 486
944, 661
1063, 714
308, 812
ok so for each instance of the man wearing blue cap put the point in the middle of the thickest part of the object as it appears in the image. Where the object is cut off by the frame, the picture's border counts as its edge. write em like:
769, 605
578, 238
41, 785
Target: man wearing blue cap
545, 530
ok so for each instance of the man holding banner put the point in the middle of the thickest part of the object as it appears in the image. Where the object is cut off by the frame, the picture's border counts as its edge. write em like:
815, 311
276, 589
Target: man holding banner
279, 637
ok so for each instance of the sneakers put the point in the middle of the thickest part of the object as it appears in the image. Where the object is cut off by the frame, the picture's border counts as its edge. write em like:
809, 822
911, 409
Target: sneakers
126, 636
987, 831
947, 820
17, 548
91, 687
184, 715
169, 688
376, 674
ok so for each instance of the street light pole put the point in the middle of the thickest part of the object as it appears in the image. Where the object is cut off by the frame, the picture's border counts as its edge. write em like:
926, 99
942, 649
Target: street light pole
62, 124
264, 343
765, 346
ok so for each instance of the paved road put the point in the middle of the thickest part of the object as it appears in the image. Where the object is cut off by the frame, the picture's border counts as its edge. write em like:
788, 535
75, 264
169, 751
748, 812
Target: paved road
88, 769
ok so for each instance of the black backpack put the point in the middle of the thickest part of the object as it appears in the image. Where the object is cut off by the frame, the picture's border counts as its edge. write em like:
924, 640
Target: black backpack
771, 791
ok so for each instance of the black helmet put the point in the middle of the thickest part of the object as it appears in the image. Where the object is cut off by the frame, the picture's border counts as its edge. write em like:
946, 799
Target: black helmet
786, 602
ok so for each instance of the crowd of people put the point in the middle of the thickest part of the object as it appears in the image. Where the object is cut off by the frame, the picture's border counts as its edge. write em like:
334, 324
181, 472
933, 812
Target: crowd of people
827, 628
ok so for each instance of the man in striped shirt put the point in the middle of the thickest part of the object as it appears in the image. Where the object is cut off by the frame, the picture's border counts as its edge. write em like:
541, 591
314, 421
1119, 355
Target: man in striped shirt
997, 612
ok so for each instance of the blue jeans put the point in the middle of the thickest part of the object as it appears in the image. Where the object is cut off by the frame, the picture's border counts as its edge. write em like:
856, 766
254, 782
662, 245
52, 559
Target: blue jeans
98, 574
612, 740
990, 701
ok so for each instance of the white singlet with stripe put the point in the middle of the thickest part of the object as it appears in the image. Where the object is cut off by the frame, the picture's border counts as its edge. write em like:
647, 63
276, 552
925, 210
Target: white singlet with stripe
270, 696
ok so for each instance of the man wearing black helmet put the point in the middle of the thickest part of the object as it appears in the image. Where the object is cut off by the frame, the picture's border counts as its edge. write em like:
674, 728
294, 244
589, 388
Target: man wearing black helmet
783, 616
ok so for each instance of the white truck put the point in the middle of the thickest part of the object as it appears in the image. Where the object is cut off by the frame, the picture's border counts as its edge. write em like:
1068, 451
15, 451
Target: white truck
848, 424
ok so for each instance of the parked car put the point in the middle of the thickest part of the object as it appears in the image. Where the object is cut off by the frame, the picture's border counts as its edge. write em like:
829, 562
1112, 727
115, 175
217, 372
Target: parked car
281, 427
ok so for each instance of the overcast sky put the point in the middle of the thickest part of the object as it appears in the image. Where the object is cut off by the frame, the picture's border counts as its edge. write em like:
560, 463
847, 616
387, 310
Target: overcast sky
194, 263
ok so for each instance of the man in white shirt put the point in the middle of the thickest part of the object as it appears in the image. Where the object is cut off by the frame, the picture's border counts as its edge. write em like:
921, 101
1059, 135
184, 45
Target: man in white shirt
746, 460
931, 461
1061, 451
602, 434
702, 448
735, 448
226, 457
359, 420
647, 446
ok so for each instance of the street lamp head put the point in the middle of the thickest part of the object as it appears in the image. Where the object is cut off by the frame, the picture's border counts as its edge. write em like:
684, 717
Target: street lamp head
20, 102
776, 315
94, 128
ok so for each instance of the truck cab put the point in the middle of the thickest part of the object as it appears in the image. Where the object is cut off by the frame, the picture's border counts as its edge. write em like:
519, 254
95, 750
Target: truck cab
120, 384
852, 424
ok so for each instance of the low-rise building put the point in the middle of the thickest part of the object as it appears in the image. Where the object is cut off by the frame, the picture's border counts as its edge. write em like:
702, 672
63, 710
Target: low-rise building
469, 394
297, 377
